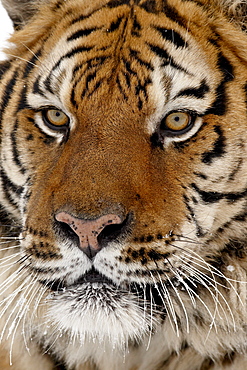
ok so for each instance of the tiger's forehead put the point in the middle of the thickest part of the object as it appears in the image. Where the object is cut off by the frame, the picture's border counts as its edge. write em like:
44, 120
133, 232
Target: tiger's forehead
111, 52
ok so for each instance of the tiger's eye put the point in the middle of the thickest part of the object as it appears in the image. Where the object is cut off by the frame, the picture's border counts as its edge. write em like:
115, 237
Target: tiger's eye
55, 117
177, 121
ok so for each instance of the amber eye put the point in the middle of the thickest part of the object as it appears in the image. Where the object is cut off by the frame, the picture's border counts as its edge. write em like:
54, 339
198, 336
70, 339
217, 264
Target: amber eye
176, 122
55, 118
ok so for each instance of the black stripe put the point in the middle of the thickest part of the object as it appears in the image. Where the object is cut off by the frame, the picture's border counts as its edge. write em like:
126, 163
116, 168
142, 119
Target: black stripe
42, 251
13, 187
160, 52
96, 86
9, 188
156, 141
150, 6
70, 54
116, 3
218, 147
23, 100
72, 99
140, 103
201, 175
199, 231
121, 88
36, 87
127, 79
8, 93
81, 33
245, 91
167, 59
83, 17
172, 36
197, 92
172, 13
15, 153
135, 54
143, 87
214, 196
31, 64
4, 67
57, 5
47, 82
114, 25
76, 68
128, 67
97, 61
235, 172
136, 28
225, 67
219, 106
241, 217
197, 2
90, 77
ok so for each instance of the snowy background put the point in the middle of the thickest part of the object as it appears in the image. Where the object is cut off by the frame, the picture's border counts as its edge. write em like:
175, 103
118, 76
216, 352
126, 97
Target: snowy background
5, 29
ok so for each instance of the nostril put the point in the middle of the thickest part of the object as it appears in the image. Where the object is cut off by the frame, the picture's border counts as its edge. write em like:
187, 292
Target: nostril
114, 232
66, 232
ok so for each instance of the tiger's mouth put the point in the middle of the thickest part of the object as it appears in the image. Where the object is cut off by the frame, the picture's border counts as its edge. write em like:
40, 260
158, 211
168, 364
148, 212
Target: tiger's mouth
90, 277
144, 294
93, 276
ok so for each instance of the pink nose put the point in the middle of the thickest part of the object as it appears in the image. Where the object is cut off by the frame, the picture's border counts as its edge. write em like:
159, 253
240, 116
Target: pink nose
88, 230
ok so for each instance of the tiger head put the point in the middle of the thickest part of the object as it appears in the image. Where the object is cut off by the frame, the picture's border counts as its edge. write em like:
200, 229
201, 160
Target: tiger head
123, 165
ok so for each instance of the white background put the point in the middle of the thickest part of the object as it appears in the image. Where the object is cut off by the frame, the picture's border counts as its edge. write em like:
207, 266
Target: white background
5, 28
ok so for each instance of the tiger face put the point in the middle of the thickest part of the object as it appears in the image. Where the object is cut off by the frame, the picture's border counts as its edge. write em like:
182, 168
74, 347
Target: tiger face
123, 171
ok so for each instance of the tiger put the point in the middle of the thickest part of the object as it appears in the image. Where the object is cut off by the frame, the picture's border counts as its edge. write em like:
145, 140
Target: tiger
123, 185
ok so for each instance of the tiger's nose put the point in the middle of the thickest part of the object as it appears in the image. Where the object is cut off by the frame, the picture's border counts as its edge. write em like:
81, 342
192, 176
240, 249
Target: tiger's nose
88, 231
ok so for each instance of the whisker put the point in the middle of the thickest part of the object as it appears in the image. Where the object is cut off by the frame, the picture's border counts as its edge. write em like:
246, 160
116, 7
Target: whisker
8, 248
24, 325
211, 268
9, 257
23, 59
216, 300
36, 56
151, 319
9, 302
168, 305
23, 307
10, 280
9, 267
180, 300
12, 226
196, 295
191, 260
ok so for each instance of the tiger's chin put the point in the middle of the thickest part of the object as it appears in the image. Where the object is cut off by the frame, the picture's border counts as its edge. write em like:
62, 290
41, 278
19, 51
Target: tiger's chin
98, 312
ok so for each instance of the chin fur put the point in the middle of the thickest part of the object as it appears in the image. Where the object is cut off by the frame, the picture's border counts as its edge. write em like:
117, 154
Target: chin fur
99, 312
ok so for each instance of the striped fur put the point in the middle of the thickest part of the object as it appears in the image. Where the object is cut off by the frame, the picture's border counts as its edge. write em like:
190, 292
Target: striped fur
168, 288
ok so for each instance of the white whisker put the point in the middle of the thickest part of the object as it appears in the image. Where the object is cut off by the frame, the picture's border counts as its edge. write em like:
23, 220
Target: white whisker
168, 304
8, 248
180, 300
151, 320
198, 275
213, 271
23, 308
